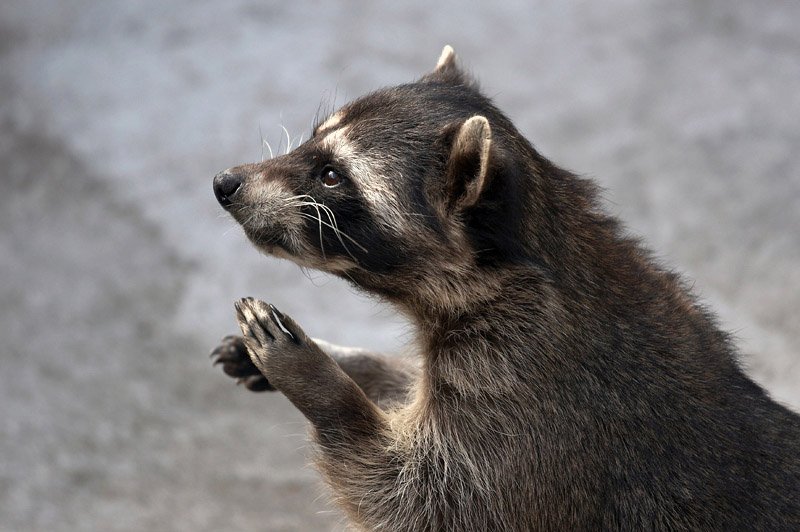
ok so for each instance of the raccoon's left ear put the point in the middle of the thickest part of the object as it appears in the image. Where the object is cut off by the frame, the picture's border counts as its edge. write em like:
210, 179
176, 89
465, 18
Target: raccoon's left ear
447, 69
467, 169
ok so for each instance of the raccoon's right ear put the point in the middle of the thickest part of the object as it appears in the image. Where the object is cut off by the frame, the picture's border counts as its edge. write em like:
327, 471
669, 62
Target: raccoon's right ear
467, 169
447, 69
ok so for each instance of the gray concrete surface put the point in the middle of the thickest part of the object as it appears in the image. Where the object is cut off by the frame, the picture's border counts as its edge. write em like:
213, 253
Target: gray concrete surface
118, 270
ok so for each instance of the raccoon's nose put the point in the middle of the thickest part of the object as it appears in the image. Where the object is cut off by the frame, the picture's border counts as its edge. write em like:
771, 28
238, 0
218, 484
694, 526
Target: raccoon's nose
226, 185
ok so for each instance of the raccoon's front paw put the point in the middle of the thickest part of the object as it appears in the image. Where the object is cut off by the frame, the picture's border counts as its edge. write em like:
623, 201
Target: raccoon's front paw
278, 347
232, 354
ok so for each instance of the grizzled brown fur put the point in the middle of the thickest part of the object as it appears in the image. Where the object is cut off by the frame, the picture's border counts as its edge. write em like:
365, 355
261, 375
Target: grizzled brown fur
565, 380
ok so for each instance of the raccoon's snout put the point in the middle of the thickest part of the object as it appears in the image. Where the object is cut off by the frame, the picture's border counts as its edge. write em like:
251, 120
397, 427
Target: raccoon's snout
226, 185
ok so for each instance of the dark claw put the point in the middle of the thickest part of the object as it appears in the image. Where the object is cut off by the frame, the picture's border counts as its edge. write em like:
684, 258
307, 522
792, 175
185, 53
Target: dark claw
217, 350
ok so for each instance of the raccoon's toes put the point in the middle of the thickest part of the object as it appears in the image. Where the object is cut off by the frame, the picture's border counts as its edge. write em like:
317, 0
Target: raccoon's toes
232, 355
277, 345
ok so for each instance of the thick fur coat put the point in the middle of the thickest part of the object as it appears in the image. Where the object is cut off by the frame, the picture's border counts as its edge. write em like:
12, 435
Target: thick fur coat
565, 380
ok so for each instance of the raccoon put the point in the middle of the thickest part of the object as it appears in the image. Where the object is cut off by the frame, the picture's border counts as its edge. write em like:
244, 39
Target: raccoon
565, 380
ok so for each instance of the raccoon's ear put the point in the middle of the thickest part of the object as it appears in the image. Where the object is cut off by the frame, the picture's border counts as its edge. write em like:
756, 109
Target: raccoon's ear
447, 60
468, 165
447, 69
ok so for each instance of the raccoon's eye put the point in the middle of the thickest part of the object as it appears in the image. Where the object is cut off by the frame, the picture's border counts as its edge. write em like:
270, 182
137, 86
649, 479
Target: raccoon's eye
331, 178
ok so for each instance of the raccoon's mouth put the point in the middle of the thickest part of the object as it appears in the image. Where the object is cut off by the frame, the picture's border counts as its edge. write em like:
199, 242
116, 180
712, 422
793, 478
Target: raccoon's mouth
282, 233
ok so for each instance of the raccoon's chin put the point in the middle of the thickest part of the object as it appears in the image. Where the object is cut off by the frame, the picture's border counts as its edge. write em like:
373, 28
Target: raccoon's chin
269, 240
332, 265
279, 252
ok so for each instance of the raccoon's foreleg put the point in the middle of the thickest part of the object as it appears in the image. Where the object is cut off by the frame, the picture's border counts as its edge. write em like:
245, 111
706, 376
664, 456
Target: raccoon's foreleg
294, 364
384, 379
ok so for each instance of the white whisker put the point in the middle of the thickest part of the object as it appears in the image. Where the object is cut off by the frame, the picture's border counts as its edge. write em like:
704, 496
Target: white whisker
334, 225
319, 219
288, 140
332, 218
261, 136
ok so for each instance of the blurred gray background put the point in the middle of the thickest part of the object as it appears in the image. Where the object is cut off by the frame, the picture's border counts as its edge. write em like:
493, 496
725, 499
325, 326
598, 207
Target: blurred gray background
118, 270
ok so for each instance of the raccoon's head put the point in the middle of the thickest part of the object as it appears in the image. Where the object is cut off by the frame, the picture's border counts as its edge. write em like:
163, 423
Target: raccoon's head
404, 191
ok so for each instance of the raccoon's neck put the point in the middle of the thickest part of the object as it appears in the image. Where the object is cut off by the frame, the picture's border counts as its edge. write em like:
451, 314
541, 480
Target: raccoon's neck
523, 328
483, 325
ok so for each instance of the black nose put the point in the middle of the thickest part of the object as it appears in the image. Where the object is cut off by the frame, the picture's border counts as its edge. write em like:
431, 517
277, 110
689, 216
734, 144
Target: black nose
226, 185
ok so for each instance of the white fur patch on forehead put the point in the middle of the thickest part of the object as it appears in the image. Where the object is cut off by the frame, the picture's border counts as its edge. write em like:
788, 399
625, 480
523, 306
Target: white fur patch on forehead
331, 122
371, 178
335, 139
365, 172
